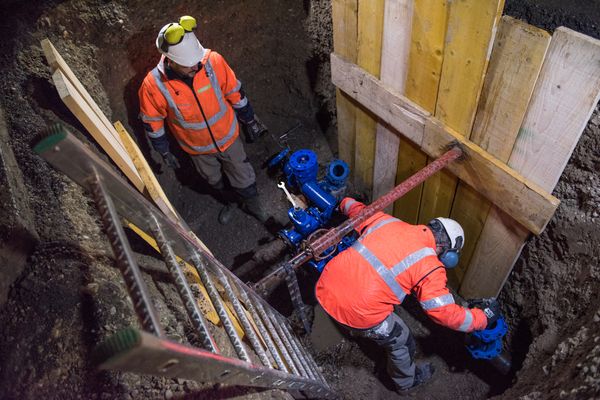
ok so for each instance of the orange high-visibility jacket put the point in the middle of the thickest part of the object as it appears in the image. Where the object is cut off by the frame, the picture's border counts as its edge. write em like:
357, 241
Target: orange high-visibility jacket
216, 91
360, 286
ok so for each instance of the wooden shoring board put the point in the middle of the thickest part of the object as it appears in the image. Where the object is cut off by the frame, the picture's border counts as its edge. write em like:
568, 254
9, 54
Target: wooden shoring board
56, 61
204, 303
528, 203
563, 100
345, 31
152, 187
88, 118
469, 38
515, 64
430, 19
370, 32
395, 48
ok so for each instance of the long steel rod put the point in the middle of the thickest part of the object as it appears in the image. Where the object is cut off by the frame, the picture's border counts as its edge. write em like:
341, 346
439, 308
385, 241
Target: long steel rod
288, 346
134, 282
217, 302
278, 341
334, 235
290, 337
261, 328
183, 288
311, 362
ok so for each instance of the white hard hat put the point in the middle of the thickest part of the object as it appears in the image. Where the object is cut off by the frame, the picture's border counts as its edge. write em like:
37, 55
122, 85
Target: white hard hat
187, 51
455, 232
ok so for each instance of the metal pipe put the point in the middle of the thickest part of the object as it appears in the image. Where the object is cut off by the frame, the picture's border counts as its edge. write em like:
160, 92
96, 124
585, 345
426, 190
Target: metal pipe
217, 302
334, 235
134, 282
183, 288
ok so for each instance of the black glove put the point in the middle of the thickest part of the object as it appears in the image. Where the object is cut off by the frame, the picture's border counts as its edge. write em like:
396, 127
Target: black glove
170, 159
254, 129
490, 307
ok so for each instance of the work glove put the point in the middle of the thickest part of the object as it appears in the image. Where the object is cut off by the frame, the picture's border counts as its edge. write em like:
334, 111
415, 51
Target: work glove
170, 159
254, 129
490, 307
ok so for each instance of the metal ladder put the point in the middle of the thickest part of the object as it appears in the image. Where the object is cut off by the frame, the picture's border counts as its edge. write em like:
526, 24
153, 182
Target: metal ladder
281, 360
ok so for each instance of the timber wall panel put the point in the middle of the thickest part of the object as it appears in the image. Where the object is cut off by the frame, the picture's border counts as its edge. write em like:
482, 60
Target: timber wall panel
564, 98
345, 32
470, 35
430, 19
515, 64
394, 67
370, 31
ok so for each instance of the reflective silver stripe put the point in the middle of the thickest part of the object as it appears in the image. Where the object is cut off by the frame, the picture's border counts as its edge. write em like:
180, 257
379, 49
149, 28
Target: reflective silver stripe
381, 269
173, 106
412, 259
349, 204
379, 225
156, 134
211, 147
437, 302
242, 103
235, 89
467, 322
146, 118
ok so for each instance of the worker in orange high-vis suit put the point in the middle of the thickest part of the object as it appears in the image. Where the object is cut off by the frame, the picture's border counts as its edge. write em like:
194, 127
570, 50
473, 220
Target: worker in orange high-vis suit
195, 95
390, 260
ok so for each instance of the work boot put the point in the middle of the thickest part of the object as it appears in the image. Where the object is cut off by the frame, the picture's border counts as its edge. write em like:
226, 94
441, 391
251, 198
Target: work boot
423, 373
226, 213
253, 206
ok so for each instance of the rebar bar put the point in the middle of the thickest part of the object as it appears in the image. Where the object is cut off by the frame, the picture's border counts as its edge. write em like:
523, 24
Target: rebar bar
288, 346
183, 288
134, 282
261, 328
290, 337
217, 302
278, 341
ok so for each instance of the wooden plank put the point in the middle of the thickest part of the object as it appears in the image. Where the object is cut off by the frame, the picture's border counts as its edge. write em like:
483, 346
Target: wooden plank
469, 38
82, 111
564, 98
345, 32
152, 187
515, 64
430, 19
56, 61
207, 307
370, 31
394, 67
524, 200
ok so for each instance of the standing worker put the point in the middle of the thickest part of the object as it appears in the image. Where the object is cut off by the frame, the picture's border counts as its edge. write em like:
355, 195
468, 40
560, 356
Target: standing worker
195, 92
390, 260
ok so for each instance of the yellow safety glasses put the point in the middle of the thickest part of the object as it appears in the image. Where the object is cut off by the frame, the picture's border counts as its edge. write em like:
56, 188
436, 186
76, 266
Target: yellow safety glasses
173, 33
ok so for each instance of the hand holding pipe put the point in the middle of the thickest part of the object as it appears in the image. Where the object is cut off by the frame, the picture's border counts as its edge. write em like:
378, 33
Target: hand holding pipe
334, 235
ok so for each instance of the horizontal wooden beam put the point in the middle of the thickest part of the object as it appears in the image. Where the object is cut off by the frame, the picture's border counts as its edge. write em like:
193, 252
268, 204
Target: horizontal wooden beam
526, 202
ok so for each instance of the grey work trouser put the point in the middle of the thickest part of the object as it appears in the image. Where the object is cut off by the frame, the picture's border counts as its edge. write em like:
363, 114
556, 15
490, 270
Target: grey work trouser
395, 338
234, 163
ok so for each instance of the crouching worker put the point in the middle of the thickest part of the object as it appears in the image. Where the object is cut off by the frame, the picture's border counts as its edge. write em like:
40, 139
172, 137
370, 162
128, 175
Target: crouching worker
390, 260
195, 95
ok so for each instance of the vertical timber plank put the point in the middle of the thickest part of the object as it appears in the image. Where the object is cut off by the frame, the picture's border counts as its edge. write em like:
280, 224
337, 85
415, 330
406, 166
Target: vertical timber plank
394, 67
430, 19
345, 25
469, 38
370, 31
515, 64
564, 98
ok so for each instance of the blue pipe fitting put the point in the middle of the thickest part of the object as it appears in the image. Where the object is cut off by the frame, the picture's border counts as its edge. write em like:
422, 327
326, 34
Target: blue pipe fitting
337, 173
324, 201
302, 167
487, 344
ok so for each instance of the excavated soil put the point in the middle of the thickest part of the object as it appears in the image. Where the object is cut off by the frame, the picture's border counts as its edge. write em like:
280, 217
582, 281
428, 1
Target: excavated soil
69, 296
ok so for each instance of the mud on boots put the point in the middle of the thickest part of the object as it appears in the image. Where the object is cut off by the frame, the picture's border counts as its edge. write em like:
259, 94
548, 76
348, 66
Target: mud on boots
199, 81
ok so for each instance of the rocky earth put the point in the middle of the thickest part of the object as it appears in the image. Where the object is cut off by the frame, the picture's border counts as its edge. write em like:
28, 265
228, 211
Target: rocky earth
63, 295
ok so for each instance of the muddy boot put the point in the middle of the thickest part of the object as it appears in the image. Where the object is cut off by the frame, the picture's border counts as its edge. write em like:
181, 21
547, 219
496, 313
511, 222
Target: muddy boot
254, 207
226, 213
423, 373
